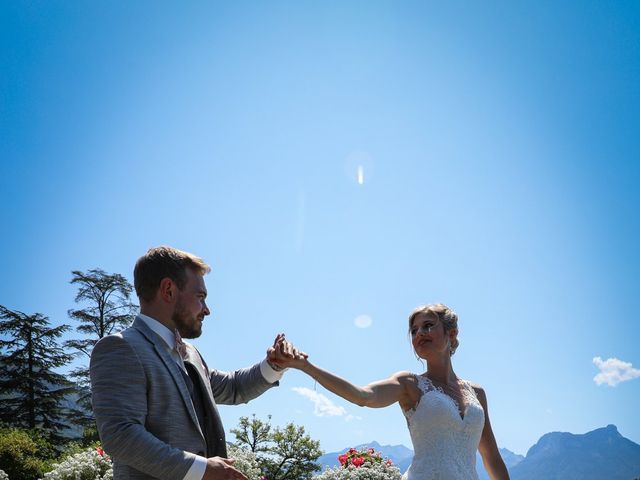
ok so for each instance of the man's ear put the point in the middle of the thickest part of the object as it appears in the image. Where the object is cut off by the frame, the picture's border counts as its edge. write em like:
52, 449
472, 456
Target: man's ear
167, 290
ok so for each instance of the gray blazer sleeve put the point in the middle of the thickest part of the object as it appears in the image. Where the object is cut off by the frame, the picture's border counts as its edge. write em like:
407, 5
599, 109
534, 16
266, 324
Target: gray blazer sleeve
119, 397
239, 386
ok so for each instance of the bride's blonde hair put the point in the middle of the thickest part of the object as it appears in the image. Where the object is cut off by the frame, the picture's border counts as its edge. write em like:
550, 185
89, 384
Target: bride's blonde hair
447, 317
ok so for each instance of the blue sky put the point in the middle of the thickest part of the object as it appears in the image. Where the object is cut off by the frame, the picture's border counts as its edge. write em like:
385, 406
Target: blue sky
498, 146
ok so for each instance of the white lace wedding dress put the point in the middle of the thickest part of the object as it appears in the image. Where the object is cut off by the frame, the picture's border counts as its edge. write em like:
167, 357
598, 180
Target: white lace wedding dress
444, 443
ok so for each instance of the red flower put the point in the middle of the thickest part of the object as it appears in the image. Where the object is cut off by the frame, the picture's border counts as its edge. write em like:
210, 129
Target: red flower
389, 462
342, 459
100, 451
358, 461
352, 450
371, 451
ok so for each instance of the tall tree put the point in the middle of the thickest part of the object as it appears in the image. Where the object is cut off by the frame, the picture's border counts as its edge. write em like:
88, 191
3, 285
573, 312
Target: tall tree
294, 454
33, 394
253, 434
283, 453
107, 308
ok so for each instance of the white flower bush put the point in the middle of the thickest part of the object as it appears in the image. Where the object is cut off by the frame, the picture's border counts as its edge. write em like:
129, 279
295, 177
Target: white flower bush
3, 475
92, 464
246, 462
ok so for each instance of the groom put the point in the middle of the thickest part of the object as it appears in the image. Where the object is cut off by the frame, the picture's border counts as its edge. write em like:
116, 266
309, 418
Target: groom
154, 397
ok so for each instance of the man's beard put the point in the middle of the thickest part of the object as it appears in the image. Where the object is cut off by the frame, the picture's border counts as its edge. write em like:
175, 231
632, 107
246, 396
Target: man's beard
181, 319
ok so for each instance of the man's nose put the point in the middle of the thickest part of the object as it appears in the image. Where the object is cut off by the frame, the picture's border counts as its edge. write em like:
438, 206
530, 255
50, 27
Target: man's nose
206, 310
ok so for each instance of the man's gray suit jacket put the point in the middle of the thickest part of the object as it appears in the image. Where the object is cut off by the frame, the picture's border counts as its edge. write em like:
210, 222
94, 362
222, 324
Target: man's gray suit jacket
143, 409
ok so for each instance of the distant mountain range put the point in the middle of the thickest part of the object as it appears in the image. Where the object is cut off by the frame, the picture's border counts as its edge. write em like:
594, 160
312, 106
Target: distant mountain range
602, 454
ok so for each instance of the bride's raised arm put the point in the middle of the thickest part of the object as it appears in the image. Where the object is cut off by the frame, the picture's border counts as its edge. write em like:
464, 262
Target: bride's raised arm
381, 393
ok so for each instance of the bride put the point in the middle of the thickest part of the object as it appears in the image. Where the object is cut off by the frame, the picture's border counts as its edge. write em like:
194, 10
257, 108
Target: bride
447, 416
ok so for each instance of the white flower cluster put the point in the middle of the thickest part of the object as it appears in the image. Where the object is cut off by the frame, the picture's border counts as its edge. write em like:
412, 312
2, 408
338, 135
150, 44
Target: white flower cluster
378, 471
87, 465
3, 475
246, 462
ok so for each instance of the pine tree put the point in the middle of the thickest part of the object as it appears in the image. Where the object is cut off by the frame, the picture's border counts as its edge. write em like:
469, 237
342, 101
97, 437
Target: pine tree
33, 394
108, 309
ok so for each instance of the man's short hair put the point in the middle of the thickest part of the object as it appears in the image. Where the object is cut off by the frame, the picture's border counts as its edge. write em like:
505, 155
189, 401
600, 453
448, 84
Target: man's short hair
164, 262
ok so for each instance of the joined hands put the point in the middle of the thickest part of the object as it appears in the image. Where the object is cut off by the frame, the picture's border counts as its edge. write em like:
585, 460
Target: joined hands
282, 354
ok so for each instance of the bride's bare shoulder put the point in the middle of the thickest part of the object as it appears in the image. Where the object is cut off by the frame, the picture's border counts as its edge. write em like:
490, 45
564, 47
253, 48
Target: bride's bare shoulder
410, 390
404, 376
477, 388
406, 380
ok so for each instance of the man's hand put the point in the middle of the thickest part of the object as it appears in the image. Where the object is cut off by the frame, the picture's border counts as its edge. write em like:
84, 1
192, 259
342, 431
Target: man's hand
219, 468
284, 355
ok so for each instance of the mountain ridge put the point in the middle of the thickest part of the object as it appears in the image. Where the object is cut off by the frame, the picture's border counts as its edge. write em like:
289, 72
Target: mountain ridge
600, 453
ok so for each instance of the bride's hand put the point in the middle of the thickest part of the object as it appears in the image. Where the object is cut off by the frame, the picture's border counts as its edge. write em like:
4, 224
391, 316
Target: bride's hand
284, 355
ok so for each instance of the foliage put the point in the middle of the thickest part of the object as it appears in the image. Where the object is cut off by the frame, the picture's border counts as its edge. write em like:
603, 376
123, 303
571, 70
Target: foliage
295, 454
246, 462
27, 362
361, 465
283, 453
3, 475
23, 453
108, 308
90, 437
73, 448
90, 464
254, 433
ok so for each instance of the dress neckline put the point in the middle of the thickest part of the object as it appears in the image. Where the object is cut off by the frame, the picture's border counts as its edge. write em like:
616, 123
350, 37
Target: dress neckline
432, 387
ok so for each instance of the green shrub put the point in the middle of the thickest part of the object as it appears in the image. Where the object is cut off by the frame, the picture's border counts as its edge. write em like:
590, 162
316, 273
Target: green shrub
23, 454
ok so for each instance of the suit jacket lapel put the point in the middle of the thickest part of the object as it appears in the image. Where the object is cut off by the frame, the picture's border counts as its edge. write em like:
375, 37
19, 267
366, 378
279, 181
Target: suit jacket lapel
161, 349
193, 357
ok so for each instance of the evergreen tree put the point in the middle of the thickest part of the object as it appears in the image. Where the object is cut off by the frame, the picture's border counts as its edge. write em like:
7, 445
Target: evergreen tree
107, 309
283, 453
33, 394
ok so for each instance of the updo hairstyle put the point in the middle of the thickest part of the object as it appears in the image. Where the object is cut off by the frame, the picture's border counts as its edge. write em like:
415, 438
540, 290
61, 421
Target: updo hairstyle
441, 312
